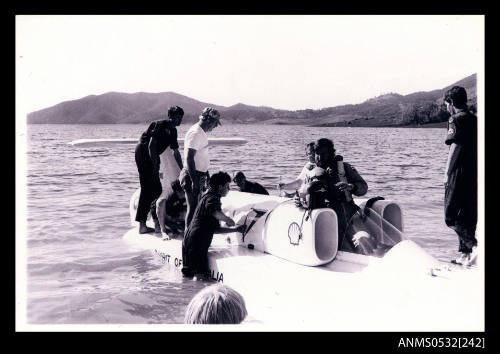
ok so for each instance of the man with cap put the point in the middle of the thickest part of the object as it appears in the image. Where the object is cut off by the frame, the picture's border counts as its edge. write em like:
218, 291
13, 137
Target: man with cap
159, 136
194, 175
460, 176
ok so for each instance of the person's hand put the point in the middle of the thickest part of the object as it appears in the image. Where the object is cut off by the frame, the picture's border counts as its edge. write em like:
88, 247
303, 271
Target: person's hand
297, 201
343, 186
241, 228
358, 236
230, 222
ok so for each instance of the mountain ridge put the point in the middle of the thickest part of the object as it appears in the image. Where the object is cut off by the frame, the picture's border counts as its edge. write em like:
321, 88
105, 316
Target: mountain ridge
389, 109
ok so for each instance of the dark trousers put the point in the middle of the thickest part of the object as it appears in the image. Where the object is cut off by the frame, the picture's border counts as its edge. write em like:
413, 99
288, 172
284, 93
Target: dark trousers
192, 197
460, 206
466, 238
344, 211
150, 184
197, 240
194, 258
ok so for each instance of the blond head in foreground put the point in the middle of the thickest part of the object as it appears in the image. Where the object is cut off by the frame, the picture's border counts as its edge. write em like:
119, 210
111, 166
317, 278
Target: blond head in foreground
216, 304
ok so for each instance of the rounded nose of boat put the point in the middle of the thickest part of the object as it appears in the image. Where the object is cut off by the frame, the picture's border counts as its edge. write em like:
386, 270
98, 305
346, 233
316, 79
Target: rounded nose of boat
409, 258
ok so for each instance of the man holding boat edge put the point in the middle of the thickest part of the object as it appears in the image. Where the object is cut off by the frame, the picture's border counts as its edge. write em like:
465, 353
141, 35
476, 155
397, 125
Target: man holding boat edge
159, 136
195, 175
205, 222
460, 178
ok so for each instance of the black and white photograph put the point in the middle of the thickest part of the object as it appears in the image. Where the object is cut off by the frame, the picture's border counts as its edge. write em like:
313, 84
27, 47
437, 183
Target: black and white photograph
250, 173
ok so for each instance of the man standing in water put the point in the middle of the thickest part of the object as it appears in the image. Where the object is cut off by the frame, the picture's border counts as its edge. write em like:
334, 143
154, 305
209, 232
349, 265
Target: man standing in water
194, 176
159, 136
460, 178
247, 186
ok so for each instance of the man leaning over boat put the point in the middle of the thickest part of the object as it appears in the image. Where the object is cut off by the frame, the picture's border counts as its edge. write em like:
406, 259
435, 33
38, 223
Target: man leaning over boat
332, 186
160, 136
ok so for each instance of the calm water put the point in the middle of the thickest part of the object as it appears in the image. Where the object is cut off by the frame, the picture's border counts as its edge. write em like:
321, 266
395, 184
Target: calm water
80, 270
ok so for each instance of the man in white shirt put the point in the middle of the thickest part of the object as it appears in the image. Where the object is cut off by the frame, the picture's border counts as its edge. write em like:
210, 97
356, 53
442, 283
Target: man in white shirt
194, 175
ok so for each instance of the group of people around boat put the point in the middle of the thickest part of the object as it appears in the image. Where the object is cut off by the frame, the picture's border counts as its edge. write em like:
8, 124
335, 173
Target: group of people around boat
326, 181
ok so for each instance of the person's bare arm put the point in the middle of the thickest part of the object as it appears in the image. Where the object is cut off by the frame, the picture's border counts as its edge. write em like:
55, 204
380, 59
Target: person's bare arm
219, 215
291, 185
191, 168
453, 146
178, 158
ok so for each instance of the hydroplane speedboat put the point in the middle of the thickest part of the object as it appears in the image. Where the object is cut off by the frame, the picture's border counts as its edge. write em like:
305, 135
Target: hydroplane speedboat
287, 261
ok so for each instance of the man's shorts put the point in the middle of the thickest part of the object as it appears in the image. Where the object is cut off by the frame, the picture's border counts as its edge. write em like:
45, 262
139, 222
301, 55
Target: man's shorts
187, 184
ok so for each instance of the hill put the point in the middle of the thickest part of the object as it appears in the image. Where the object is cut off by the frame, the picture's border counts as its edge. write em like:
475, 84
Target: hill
389, 109
116, 107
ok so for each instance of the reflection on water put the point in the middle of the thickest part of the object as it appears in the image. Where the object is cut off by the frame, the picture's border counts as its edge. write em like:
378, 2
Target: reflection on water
80, 271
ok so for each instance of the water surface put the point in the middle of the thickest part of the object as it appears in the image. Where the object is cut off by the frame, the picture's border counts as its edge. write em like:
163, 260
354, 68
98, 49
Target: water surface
81, 271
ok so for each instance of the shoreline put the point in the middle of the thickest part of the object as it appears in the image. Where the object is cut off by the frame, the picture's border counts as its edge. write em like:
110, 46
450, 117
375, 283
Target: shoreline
428, 125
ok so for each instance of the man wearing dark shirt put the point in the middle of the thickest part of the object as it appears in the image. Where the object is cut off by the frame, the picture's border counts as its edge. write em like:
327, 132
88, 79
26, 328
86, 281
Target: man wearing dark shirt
159, 135
203, 225
460, 177
247, 186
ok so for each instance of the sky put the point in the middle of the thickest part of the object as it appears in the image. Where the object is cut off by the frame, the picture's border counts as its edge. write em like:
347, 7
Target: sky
281, 61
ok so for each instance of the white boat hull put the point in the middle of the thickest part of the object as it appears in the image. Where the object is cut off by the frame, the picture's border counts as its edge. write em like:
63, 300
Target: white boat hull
351, 293
406, 290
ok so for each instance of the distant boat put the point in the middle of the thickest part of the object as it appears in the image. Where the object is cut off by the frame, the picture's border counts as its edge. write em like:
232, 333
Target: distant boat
105, 142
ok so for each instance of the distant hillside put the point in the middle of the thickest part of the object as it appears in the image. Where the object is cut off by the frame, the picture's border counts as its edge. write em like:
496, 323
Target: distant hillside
390, 109
415, 109
115, 107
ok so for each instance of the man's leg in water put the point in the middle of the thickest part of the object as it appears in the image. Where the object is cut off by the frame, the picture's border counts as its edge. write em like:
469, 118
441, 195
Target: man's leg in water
143, 209
153, 192
191, 201
146, 181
